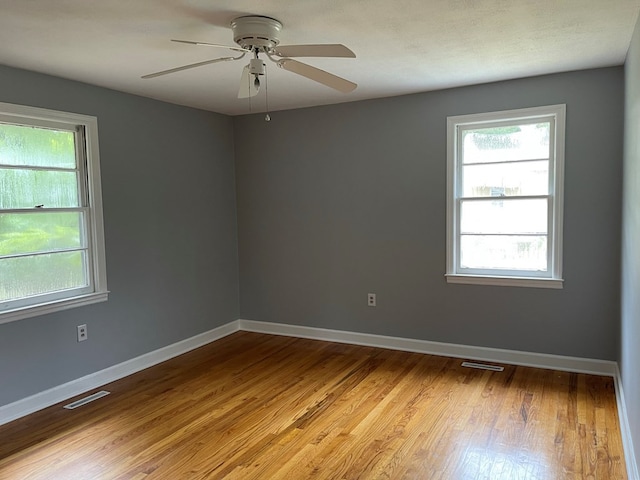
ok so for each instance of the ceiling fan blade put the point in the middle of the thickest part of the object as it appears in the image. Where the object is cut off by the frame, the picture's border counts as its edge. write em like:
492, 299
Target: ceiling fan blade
205, 44
325, 50
247, 87
187, 67
317, 75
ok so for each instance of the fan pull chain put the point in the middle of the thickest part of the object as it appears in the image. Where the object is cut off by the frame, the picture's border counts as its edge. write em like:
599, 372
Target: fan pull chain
267, 117
249, 86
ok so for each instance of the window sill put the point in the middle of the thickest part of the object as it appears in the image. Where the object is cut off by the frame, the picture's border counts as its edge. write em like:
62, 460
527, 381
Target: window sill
51, 307
505, 281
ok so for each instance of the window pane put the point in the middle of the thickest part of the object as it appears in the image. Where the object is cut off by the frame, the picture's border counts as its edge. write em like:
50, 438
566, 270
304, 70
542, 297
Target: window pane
499, 144
39, 147
504, 252
21, 188
39, 232
34, 275
512, 216
505, 180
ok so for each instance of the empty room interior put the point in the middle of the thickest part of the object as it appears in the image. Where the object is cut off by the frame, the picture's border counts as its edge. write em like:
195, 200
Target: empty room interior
259, 239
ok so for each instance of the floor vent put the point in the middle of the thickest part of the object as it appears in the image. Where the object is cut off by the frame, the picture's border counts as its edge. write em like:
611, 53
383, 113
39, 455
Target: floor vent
85, 400
482, 366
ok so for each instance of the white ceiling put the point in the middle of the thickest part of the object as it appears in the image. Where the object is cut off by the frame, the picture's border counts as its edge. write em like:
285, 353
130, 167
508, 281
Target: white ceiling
402, 46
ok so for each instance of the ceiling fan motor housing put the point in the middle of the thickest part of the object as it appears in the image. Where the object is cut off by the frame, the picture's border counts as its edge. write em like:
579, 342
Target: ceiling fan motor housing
255, 31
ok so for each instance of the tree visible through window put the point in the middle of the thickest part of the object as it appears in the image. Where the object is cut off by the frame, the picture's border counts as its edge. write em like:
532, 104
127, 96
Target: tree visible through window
51, 247
505, 197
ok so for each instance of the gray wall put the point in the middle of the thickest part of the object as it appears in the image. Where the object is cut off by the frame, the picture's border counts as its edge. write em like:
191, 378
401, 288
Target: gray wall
630, 338
338, 201
171, 236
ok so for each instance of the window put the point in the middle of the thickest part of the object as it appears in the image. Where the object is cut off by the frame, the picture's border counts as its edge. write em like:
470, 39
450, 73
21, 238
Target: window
504, 197
51, 233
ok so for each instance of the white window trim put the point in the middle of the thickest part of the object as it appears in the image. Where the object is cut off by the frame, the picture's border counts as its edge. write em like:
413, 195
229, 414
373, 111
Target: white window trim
95, 223
555, 280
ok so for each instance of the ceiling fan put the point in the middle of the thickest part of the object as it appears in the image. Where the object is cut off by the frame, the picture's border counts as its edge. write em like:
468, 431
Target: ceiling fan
255, 34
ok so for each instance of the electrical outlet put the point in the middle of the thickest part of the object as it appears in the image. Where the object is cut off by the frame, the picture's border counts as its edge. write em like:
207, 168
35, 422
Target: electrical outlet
371, 299
82, 333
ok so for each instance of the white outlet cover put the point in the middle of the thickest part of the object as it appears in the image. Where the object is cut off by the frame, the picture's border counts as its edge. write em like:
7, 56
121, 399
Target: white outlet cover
371, 299
82, 333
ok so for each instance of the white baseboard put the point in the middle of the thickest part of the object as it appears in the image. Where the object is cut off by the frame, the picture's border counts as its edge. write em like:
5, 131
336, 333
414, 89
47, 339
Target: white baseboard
625, 430
486, 354
41, 400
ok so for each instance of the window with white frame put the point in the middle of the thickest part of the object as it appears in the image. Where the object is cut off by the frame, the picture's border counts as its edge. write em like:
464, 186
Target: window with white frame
504, 197
51, 231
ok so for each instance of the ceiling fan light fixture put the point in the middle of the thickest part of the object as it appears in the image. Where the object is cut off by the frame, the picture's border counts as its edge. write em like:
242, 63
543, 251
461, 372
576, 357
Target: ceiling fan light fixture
256, 66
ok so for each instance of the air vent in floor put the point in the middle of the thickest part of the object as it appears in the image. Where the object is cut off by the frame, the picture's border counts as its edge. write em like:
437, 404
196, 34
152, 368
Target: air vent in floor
85, 400
483, 366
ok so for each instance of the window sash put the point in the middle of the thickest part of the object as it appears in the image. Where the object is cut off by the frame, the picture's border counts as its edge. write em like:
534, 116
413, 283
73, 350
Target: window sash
83, 248
546, 273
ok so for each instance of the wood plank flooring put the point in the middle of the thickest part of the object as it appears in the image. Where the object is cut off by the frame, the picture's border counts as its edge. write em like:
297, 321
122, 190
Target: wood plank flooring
254, 406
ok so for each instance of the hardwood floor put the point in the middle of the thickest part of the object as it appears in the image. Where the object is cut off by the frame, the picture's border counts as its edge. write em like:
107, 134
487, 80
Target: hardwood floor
254, 406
